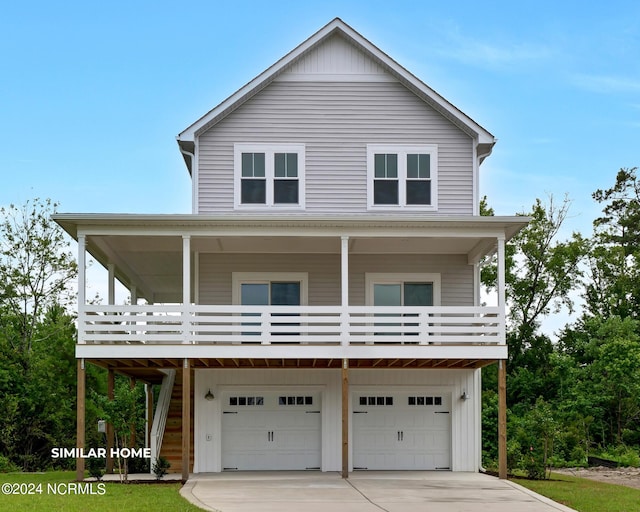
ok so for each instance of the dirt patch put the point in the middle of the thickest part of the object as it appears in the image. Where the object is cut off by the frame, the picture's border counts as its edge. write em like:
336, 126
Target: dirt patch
620, 476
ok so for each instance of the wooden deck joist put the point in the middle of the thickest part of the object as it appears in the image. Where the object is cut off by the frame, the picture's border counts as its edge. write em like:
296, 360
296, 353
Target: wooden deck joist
149, 370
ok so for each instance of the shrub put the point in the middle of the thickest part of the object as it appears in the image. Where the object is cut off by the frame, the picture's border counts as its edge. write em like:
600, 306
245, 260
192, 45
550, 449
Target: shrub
6, 466
160, 467
96, 468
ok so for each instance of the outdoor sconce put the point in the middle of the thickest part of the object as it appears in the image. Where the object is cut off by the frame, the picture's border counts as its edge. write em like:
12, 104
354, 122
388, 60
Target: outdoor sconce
209, 396
465, 396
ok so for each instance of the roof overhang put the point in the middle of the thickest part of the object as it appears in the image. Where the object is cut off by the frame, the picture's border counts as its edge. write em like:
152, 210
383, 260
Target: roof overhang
484, 139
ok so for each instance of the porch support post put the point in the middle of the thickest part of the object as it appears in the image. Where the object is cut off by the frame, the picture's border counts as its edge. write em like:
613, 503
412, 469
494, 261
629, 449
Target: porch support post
502, 419
186, 418
132, 441
112, 283
186, 286
80, 422
110, 388
344, 286
82, 272
502, 367
148, 416
345, 418
502, 293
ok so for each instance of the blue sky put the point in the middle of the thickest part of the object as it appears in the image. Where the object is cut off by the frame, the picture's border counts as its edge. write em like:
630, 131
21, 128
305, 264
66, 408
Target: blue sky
92, 94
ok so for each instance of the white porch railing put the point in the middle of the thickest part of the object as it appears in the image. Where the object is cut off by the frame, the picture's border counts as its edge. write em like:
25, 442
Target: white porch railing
324, 325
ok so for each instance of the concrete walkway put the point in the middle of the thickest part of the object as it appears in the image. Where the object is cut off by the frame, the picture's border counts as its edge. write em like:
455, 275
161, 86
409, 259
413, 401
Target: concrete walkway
388, 491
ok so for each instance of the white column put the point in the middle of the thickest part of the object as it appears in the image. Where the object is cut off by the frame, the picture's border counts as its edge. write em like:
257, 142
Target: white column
186, 286
111, 268
82, 284
501, 283
344, 283
82, 272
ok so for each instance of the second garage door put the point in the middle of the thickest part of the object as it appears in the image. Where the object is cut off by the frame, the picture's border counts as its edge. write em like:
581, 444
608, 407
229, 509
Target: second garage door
271, 431
402, 431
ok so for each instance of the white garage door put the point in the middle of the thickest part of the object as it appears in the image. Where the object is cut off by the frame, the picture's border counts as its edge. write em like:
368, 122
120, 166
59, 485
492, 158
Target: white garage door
271, 431
402, 431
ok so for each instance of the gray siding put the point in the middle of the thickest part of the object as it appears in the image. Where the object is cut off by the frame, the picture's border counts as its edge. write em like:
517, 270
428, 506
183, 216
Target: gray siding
335, 121
324, 274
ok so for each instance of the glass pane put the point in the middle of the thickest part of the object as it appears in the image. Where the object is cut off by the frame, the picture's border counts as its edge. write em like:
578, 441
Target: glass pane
392, 166
258, 165
280, 165
425, 166
285, 294
380, 167
418, 192
412, 166
385, 165
385, 192
253, 191
418, 166
418, 294
286, 165
247, 165
285, 191
253, 294
386, 295
253, 165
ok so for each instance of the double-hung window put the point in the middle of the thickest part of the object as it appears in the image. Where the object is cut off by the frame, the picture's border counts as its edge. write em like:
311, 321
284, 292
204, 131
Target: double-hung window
269, 175
402, 176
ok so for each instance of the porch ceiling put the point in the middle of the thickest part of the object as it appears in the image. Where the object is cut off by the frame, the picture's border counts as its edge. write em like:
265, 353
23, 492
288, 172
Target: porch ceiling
146, 250
149, 370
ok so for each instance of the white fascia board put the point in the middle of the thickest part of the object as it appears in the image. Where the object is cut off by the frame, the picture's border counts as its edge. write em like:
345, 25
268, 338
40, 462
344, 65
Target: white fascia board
487, 352
303, 225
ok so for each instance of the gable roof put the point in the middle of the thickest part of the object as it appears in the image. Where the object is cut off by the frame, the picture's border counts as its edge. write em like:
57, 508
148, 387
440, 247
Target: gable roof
485, 140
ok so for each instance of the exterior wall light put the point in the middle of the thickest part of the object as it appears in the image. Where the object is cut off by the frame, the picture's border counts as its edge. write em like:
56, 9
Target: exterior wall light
209, 396
465, 396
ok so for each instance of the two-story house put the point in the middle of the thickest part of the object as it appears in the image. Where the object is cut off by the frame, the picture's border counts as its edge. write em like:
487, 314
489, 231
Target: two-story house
320, 308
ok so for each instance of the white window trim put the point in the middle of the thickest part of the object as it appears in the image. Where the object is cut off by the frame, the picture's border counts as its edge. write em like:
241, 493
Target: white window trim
240, 278
373, 278
269, 150
402, 150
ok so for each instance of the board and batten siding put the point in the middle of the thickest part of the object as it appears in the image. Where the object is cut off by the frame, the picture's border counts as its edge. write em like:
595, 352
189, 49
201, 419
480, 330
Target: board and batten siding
335, 121
208, 414
215, 274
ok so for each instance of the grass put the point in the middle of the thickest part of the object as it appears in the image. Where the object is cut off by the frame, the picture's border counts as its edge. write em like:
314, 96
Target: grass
586, 495
113, 497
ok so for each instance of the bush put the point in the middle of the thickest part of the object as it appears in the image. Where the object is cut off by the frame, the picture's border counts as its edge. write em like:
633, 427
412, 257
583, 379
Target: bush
6, 466
160, 467
96, 468
624, 455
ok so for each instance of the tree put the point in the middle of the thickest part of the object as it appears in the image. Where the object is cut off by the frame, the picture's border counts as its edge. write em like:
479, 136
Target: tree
614, 260
541, 274
37, 335
36, 269
126, 413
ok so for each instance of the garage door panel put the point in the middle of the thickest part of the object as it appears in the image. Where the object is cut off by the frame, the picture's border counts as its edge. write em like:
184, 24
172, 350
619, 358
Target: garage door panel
401, 431
273, 433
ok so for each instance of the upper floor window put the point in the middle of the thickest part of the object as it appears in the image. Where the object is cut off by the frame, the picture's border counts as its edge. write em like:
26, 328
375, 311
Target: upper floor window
269, 175
402, 176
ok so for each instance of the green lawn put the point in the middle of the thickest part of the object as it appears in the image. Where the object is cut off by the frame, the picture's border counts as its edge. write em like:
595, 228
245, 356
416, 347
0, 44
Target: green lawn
586, 495
113, 497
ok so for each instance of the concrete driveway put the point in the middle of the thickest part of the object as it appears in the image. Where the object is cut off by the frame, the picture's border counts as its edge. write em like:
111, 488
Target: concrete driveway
390, 491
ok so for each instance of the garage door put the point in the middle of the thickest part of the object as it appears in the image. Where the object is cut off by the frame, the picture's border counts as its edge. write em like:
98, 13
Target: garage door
271, 431
402, 431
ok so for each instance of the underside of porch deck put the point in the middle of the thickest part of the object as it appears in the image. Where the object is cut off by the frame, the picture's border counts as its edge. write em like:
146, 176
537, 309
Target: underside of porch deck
148, 370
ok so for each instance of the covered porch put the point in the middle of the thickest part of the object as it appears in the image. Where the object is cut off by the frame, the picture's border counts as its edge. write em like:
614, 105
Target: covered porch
176, 321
